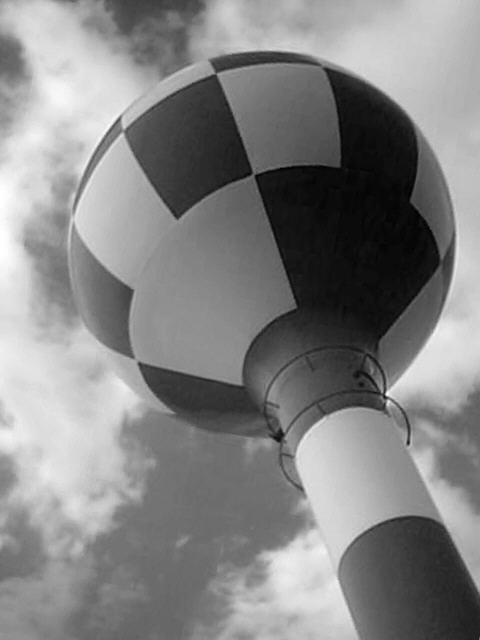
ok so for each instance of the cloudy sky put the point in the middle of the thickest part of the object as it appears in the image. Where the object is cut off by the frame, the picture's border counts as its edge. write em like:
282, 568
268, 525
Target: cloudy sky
119, 523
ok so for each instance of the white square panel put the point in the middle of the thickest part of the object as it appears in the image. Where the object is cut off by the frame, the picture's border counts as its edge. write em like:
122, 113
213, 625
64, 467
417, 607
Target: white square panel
286, 114
430, 195
119, 216
210, 287
407, 335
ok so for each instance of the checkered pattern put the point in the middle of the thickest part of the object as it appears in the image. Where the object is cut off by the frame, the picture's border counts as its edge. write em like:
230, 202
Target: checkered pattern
240, 189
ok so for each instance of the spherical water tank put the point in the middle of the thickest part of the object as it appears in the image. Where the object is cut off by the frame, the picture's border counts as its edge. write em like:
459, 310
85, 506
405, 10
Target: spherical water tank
243, 189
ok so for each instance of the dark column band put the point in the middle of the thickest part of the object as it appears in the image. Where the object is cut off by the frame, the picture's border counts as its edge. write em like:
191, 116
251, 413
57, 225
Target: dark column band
405, 580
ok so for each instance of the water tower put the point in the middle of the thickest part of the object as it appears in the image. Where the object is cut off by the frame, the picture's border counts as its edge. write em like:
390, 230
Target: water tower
263, 243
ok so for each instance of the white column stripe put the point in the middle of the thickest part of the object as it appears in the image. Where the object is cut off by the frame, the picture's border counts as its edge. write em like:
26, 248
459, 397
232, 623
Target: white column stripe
357, 473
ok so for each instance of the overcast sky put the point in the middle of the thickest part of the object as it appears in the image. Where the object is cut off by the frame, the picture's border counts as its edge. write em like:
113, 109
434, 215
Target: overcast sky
119, 523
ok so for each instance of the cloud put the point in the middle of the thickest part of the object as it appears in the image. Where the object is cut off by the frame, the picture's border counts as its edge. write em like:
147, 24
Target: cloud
67, 411
65, 416
459, 513
304, 25
285, 593
39, 607
115, 601
158, 31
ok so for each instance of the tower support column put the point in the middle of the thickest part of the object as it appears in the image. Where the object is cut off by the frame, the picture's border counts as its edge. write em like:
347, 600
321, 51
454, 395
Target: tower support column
400, 572
317, 379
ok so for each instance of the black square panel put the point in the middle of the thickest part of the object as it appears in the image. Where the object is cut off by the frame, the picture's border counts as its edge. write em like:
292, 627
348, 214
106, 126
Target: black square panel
249, 58
188, 393
376, 135
349, 242
103, 300
188, 145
